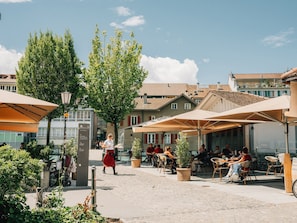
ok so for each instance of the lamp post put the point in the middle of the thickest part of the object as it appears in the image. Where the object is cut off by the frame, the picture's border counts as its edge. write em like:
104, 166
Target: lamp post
66, 96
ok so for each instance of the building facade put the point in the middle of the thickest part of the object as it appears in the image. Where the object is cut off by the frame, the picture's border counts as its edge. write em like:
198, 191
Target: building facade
263, 84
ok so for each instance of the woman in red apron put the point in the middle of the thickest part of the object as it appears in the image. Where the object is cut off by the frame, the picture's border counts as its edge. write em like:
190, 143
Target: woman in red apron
108, 160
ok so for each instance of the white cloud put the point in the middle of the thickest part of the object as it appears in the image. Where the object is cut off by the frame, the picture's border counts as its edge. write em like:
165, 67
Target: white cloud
8, 60
116, 25
14, 1
279, 39
168, 70
134, 21
123, 11
205, 60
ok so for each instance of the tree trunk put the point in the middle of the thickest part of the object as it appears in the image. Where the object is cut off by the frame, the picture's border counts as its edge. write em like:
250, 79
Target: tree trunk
116, 139
116, 133
49, 122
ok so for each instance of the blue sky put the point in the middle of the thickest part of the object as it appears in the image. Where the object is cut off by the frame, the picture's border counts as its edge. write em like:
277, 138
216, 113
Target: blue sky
186, 41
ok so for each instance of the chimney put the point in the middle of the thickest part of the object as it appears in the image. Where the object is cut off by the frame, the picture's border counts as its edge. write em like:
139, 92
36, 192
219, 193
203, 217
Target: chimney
145, 98
218, 86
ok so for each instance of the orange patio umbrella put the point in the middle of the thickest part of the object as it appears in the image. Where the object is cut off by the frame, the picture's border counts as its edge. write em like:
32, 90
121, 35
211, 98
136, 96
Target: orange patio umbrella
22, 113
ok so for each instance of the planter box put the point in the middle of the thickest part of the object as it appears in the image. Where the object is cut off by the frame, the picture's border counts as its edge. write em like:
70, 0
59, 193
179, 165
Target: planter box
183, 174
135, 163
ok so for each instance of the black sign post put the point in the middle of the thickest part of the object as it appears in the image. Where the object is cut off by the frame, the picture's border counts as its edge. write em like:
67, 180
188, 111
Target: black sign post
83, 155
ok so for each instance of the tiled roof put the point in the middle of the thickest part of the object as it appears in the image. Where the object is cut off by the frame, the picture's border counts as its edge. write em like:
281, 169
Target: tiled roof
174, 89
156, 89
156, 103
152, 103
239, 98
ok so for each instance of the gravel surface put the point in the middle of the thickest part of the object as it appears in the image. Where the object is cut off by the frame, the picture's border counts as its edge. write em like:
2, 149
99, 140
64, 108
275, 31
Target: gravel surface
146, 195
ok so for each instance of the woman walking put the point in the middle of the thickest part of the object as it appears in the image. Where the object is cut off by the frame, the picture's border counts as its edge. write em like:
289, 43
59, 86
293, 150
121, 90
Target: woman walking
108, 160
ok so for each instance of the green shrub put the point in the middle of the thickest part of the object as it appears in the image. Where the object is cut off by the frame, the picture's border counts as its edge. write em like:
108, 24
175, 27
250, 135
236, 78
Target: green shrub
136, 149
183, 151
18, 171
40, 152
13, 208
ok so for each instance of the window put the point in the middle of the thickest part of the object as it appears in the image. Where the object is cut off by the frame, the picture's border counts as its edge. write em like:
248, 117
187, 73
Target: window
134, 120
174, 106
167, 138
151, 138
187, 106
152, 117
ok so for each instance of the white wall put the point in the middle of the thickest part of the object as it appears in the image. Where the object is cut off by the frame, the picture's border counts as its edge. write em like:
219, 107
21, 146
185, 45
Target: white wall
270, 138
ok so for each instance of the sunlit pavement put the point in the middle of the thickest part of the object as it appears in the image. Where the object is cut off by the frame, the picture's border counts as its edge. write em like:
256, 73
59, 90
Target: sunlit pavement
147, 194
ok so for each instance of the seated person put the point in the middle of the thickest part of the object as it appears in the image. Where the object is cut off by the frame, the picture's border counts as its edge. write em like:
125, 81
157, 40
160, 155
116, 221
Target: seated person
150, 152
157, 150
216, 152
227, 152
171, 159
202, 153
235, 166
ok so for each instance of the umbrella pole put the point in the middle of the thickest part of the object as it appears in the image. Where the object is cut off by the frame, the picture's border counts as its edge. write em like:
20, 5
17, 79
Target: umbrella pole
287, 162
199, 138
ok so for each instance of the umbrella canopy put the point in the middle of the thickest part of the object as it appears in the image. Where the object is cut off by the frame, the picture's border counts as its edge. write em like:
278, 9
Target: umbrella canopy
196, 120
22, 113
267, 110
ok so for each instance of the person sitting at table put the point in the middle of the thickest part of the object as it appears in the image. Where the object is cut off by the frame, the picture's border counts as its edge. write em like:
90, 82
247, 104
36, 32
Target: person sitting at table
171, 159
235, 165
227, 152
157, 150
150, 152
216, 152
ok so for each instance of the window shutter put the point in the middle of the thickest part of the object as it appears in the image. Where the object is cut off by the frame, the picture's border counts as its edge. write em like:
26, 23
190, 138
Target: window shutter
121, 123
173, 138
157, 138
138, 121
129, 120
145, 138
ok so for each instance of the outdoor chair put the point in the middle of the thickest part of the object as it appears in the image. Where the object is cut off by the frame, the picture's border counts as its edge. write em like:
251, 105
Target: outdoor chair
162, 164
273, 164
219, 165
245, 171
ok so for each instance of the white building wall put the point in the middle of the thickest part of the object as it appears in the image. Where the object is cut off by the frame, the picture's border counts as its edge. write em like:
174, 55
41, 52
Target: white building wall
270, 138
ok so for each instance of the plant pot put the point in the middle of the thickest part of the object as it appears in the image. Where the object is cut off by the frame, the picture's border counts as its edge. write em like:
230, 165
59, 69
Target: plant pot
135, 163
183, 174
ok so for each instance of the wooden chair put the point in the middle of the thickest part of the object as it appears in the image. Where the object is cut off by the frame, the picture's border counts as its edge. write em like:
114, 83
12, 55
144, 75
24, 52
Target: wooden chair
218, 166
245, 171
273, 164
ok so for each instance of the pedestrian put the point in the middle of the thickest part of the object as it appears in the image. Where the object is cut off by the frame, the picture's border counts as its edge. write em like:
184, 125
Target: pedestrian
109, 157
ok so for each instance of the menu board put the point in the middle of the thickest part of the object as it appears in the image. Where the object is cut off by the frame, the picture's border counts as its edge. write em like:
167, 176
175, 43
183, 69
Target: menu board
83, 155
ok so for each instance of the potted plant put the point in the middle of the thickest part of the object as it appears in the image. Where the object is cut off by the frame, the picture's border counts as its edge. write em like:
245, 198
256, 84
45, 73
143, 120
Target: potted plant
136, 153
183, 155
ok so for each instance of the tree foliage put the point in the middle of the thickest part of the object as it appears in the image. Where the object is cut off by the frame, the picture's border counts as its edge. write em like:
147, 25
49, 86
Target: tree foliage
183, 151
18, 171
49, 66
114, 76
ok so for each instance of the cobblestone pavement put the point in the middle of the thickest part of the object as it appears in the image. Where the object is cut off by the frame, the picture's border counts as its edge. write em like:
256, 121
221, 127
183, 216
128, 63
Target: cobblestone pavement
146, 195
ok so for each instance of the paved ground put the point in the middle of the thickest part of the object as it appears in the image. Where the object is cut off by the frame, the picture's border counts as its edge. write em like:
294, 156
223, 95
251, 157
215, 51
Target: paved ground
144, 195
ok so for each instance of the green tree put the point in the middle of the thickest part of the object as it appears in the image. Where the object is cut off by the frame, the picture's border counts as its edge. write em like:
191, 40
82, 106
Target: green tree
50, 66
114, 76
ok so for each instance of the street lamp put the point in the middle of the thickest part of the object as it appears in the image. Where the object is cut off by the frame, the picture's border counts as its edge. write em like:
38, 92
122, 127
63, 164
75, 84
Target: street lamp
66, 96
